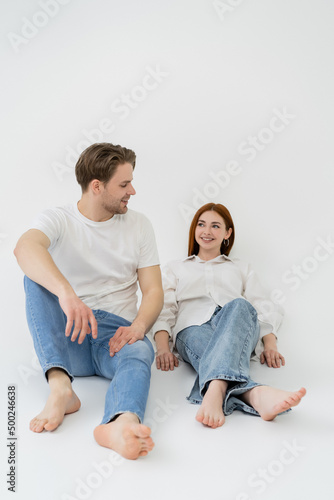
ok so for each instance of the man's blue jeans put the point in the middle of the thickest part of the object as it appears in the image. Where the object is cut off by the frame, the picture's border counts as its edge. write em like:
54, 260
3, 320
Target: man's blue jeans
221, 349
129, 370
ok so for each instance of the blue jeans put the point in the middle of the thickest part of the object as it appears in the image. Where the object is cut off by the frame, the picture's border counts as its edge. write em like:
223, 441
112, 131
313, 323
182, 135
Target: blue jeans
129, 370
221, 349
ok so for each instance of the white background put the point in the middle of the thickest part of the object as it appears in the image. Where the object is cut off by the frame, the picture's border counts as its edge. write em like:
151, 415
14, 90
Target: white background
224, 72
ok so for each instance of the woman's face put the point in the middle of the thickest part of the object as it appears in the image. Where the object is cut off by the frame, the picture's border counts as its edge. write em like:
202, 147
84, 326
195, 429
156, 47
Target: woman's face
210, 233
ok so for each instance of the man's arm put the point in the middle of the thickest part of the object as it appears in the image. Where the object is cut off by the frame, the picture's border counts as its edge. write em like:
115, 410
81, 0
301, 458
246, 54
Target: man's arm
152, 301
36, 262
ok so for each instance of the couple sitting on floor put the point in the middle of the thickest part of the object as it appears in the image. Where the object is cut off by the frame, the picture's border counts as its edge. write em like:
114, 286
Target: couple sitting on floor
82, 263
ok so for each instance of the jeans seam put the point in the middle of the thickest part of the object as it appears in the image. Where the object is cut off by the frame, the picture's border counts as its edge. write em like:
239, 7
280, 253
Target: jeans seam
187, 348
35, 324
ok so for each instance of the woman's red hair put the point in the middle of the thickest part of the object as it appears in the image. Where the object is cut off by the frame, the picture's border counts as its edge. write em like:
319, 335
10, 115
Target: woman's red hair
193, 247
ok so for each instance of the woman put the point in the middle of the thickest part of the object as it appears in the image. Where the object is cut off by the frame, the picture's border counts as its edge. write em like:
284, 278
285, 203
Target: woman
217, 316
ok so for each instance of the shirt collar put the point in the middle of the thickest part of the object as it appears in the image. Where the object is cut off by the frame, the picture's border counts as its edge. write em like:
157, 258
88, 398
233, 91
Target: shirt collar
220, 258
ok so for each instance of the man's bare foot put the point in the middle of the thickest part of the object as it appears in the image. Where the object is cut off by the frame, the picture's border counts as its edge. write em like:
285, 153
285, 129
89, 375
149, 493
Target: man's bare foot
126, 436
211, 410
61, 401
269, 402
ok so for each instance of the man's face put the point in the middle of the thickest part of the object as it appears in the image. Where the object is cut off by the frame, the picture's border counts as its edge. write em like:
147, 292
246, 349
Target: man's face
116, 193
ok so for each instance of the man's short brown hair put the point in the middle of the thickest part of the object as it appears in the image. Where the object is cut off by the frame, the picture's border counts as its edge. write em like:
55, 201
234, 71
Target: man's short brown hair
100, 161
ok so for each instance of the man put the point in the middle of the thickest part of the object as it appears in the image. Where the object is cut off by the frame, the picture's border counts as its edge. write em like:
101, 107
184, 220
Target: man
82, 263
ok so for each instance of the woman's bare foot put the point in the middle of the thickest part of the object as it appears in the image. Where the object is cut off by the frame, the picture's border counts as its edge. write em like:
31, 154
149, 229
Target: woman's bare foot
62, 400
126, 436
211, 410
269, 402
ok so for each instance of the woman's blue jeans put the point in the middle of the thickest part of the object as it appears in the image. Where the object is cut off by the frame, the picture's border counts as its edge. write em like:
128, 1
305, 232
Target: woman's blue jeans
221, 349
129, 370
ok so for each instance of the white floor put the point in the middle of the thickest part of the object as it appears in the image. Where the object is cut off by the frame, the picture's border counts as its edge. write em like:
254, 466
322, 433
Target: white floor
246, 459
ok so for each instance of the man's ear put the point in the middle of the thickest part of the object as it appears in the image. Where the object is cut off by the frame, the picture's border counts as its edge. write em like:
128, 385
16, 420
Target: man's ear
95, 185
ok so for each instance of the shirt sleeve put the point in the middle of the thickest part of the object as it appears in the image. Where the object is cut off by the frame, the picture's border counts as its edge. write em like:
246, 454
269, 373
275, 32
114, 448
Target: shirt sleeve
148, 247
270, 314
51, 223
167, 317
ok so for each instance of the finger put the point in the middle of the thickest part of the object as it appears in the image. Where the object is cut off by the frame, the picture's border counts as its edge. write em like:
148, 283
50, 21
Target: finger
115, 348
262, 358
176, 361
157, 362
166, 362
133, 340
278, 361
114, 340
77, 328
162, 363
121, 343
283, 360
69, 325
271, 359
93, 325
268, 360
171, 362
117, 335
85, 330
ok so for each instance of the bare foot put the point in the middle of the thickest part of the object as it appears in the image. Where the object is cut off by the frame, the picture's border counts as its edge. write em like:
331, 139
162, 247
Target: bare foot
269, 402
211, 410
126, 436
62, 401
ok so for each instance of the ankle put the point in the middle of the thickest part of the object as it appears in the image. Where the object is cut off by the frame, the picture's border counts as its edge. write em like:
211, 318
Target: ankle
58, 379
126, 417
217, 386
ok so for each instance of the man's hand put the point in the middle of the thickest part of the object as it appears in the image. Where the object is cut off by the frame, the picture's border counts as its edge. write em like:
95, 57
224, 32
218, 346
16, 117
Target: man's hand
80, 315
270, 354
125, 335
166, 360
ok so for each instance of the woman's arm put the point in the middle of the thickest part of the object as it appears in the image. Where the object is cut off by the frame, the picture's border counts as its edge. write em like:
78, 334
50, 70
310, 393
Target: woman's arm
165, 359
270, 316
270, 354
162, 329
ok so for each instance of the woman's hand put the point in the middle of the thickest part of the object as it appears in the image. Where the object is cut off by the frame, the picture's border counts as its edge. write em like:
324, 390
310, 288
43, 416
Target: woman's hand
166, 360
270, 354
272, 358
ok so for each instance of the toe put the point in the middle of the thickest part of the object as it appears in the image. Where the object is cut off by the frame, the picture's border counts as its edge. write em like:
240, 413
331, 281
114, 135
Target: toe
143, 431
38, 425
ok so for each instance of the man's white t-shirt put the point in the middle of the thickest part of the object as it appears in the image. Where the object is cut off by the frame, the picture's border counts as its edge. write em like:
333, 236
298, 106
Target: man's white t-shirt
100, 259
